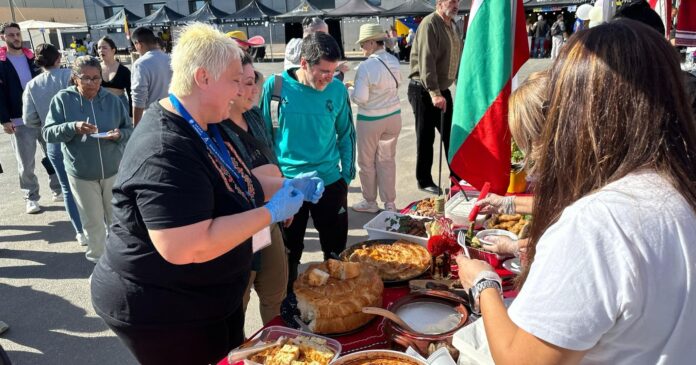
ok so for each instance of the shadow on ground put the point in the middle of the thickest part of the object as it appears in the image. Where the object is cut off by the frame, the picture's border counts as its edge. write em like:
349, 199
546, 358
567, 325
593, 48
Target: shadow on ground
54, 232
34, 315
73, 265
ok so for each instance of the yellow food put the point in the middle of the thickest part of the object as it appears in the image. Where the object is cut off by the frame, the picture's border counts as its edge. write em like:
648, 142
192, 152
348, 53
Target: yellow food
397, 261
300, 350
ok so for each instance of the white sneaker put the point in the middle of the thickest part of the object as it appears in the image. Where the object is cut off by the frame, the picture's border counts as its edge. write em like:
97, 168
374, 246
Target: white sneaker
390, 207
82, 239
366, 207
57, 197
33, 207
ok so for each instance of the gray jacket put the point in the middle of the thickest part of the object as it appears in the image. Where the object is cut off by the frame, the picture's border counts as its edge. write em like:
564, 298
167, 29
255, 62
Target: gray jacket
38, 94
93, 159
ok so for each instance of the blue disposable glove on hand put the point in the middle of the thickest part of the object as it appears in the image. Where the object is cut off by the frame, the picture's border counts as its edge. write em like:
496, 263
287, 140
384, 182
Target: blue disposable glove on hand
311, 186
284, 204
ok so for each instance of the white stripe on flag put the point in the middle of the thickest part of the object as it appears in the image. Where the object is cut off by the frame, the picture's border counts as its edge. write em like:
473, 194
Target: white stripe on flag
474, 9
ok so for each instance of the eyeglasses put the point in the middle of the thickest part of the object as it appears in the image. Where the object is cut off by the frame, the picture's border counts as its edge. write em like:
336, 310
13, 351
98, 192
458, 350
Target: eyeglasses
93, 80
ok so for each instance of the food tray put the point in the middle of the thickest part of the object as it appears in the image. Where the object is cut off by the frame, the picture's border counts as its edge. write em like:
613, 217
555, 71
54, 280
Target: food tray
377, 229
346, 253
494, 259
271, 334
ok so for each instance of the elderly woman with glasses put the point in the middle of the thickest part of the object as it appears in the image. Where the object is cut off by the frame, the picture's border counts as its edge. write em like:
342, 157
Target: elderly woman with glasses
93, 126
186, 206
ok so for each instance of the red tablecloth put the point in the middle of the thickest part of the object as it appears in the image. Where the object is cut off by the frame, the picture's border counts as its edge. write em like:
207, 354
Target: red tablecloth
372, 336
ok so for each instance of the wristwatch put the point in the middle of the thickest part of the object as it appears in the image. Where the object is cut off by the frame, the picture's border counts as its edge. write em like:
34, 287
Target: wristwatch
483, 281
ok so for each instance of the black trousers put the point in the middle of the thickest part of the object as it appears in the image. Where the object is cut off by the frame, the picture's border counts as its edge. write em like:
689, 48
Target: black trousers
330, 217
187, 344
427, 121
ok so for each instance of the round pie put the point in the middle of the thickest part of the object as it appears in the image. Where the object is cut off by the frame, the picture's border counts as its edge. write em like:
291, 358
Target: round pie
332, 294
401, 260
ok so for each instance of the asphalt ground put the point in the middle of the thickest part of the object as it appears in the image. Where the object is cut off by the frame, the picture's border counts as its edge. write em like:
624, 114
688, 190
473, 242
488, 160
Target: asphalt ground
44, 291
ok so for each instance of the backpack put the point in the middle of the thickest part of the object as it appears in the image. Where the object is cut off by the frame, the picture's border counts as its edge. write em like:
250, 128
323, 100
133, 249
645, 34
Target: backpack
275, 102
556, 29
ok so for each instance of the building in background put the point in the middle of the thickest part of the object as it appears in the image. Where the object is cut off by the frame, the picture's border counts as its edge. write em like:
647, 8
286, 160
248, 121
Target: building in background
61, 11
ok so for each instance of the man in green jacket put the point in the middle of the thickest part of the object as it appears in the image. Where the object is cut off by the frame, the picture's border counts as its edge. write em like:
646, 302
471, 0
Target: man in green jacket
434, 65
313, 131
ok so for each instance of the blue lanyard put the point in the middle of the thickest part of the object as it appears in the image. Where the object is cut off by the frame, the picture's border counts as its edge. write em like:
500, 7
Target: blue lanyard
216, 146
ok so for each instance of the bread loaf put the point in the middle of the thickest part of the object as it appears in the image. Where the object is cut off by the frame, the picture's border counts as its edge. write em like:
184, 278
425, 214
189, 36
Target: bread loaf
317, 277
342, 270
336, 306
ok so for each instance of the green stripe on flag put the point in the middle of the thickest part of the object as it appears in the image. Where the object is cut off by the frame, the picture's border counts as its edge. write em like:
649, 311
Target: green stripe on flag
485, 68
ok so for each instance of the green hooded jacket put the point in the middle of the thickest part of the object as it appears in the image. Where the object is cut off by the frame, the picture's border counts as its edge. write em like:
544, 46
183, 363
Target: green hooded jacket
93, 159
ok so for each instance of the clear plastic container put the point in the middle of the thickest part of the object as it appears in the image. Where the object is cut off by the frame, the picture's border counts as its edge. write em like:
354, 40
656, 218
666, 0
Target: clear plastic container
377, 229
273, 333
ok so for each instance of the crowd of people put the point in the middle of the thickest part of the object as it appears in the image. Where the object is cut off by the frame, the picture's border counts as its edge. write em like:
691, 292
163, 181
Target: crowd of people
191, 180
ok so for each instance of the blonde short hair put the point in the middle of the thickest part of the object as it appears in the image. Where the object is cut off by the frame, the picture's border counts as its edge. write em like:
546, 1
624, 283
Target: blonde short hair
200, 46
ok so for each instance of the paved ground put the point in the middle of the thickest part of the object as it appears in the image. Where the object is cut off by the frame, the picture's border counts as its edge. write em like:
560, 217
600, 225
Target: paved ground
44, 294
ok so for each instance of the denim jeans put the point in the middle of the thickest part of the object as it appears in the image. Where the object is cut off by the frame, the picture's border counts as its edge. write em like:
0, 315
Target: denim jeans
56, 157
538, 51
24, 141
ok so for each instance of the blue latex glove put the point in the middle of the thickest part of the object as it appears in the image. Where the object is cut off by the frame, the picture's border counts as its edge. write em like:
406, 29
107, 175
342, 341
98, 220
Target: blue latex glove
311, 186
284, 203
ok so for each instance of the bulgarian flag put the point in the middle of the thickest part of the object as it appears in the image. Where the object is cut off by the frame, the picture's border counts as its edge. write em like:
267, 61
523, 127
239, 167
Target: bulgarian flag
495, 49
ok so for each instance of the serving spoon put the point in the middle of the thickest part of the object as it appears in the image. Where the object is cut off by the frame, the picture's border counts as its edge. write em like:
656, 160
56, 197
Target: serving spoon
389, 315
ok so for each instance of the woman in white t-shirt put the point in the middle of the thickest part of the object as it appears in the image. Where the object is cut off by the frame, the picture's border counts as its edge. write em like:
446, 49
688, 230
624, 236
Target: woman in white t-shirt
611, 275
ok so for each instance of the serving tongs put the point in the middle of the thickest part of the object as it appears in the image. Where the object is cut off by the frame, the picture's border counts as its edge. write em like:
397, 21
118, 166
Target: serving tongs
242, 354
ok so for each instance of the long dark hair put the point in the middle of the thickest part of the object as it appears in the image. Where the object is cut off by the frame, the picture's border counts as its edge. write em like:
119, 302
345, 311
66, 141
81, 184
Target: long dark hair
616, 105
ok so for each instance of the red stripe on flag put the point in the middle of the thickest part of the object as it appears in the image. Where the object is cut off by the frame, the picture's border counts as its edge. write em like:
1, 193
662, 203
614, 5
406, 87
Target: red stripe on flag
520, 50
485, 154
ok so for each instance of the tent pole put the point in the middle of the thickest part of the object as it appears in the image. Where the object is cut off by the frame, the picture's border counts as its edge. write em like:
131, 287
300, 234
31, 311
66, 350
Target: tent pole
343, 38
271, 28
60, 39
31, 40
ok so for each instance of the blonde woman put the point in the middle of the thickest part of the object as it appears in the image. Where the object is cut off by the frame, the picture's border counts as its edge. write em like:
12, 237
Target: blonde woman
186, 206
526, 118
375, 91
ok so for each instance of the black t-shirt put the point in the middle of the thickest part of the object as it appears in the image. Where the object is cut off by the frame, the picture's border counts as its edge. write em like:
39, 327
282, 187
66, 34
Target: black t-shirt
254, 157
168, 179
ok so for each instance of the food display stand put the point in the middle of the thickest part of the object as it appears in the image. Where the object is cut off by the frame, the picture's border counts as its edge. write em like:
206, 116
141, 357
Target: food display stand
376, 335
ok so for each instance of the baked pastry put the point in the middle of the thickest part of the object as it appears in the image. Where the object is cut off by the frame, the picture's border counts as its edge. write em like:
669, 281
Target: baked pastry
400, 260
317, 277
343, 270
336, 306
300, 350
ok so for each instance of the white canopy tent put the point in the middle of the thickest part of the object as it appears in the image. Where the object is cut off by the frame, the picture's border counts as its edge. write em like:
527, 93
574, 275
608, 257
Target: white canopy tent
43, 26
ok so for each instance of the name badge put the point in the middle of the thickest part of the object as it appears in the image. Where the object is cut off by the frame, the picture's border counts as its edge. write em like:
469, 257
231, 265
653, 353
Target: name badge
261, 239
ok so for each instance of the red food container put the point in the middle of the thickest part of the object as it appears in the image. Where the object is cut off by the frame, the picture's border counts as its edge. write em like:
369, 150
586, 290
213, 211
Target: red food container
494, 259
